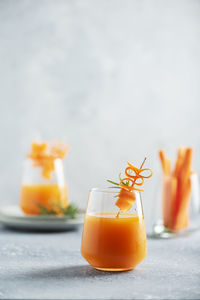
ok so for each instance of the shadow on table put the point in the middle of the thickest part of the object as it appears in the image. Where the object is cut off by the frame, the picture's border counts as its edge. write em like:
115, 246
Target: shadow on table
11, 229
80, 271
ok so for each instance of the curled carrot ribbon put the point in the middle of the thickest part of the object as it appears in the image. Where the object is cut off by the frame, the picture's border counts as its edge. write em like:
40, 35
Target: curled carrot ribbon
128, 183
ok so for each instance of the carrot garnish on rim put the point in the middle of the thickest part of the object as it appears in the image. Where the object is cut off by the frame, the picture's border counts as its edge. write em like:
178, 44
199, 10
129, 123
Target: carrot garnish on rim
134, 177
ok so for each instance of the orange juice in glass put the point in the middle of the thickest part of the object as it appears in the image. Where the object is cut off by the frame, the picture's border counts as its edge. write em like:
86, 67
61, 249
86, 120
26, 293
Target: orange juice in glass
114, 235
111, 242
43, 185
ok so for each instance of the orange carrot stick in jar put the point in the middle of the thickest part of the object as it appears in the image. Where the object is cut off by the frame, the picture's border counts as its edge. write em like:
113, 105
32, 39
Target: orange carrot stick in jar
184, 191
168, 199
181, 220
168, 166
179, 160
163, 160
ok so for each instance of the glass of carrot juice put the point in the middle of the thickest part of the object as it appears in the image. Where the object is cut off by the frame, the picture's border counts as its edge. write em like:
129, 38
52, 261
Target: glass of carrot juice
113, 240
43, 189
39, 193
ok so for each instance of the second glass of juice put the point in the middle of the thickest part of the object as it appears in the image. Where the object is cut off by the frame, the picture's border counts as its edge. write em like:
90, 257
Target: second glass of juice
112, 241
39, 193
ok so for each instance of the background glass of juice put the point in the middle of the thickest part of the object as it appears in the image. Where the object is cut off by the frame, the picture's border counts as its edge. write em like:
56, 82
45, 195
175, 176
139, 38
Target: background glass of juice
37, 191
112, 243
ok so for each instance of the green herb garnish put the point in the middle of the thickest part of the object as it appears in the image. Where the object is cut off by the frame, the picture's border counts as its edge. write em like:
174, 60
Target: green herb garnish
70, 211
117, 186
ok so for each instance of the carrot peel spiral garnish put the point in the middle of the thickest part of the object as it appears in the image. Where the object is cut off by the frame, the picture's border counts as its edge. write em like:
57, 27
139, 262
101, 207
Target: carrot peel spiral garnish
128, 183
132, 182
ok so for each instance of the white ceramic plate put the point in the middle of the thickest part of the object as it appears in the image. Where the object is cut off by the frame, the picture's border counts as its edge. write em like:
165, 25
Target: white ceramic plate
11, 216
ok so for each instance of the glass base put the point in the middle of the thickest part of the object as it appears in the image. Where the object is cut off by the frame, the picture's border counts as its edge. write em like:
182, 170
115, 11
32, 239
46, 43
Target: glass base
114, 269
160, 231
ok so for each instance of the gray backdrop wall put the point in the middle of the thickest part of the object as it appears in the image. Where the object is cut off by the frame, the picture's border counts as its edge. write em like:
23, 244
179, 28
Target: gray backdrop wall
117, 79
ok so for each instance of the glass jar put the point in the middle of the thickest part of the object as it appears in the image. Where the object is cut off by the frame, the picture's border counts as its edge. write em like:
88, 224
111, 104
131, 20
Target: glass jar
170, 220
113, 241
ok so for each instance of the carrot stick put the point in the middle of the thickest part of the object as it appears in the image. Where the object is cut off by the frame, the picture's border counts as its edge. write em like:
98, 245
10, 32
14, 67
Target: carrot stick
186, 167
163, 160
168, 166
169, 195
181, 220
183, 191
179, 159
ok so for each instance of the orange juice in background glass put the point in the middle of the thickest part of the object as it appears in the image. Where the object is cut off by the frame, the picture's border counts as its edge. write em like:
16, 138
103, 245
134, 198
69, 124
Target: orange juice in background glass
43, 185
114, 235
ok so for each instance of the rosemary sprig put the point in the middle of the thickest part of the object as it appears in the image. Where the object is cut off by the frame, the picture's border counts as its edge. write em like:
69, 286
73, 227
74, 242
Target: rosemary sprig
70, 211
45, 211
117, 186
115, 183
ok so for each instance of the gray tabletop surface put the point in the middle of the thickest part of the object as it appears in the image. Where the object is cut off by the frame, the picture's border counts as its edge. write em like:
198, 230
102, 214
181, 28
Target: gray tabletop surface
50, 266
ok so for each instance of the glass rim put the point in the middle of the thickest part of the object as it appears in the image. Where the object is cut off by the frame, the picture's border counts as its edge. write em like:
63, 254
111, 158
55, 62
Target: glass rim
109, 190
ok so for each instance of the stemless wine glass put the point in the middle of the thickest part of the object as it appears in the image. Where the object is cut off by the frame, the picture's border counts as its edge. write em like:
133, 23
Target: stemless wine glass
40, 194
113, 242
